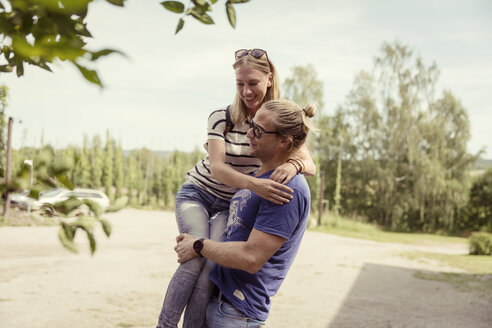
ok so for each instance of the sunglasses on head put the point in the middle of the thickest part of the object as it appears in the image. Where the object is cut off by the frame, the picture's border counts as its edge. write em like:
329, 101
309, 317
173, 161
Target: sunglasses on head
258, 130
256, 53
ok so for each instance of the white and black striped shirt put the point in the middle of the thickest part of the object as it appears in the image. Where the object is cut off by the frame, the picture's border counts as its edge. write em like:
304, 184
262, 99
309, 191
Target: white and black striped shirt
237, 156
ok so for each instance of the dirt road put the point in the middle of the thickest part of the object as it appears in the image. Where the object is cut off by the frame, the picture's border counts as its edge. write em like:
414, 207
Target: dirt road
334, 282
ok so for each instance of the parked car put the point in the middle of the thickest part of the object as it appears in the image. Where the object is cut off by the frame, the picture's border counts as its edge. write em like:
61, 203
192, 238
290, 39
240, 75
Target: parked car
23, 201
49, 198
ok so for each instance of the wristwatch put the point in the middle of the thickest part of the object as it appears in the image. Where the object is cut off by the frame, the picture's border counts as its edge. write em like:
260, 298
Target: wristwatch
198, 246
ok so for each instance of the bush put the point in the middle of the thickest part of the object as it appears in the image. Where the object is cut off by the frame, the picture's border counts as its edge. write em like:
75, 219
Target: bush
480, 243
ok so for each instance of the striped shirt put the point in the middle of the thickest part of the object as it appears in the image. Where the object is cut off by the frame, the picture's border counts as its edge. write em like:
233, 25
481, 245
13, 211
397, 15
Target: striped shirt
237, 156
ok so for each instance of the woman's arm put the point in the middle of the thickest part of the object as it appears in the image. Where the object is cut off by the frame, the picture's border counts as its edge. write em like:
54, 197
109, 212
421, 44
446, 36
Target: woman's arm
265, 188
285, 172
304, 156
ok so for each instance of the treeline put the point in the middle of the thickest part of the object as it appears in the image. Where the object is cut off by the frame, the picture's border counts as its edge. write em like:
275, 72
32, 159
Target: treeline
393, 153
147, 178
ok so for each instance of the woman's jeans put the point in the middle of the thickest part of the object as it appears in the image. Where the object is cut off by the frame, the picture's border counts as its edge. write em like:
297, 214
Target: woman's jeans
200, 214
221, 314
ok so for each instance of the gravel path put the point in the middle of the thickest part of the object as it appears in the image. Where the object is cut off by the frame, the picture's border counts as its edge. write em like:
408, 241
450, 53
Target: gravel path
334, 282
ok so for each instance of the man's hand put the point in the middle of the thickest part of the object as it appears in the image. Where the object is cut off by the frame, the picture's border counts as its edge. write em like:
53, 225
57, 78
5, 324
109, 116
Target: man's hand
184, 248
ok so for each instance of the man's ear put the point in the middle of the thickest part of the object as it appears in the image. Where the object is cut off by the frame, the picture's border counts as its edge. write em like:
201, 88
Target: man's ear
286, 142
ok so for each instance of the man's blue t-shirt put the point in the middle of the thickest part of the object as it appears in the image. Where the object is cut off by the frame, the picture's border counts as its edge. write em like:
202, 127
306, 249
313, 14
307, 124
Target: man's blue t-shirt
250, 293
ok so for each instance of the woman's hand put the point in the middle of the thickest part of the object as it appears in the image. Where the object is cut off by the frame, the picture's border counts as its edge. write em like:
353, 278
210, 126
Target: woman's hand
271, 190
284, 173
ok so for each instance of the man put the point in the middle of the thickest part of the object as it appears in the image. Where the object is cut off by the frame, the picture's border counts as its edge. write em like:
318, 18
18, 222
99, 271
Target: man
262, 238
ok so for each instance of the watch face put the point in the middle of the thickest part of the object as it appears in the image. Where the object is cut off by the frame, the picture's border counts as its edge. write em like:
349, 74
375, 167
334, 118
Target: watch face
198, 245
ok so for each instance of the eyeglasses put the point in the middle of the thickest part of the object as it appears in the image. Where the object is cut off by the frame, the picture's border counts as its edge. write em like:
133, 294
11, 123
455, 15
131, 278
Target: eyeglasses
258, 130
257, 53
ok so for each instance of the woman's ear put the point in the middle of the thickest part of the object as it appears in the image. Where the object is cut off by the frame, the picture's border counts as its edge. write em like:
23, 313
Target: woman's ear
270, 78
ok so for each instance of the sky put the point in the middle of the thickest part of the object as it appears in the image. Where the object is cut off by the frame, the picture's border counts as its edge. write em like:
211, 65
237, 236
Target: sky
161, 92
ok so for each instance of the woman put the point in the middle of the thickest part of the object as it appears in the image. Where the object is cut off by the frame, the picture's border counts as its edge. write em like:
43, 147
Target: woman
210, 185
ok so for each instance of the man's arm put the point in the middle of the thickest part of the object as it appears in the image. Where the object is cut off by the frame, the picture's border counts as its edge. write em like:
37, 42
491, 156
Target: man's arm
248, 255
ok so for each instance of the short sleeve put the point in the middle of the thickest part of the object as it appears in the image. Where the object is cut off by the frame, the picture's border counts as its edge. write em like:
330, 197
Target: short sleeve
280, 220
216, 124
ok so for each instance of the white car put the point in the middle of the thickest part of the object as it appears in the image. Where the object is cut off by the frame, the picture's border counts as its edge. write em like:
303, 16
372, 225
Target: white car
50, 197
23, 201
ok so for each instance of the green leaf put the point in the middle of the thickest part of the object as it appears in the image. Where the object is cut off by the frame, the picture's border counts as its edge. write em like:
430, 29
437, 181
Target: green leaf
213, 1
8, 68
82, 30
34, 192
66, 242
116, 2
86, 222
69, 230
89, 75
231, 14
92, 241
104, 52
93, 206
180, 25
118, 204
44, 66
200, 2
106, 226
62, 165
64, 180
20, 68
202, 17
174, 6
68, 205
238, 1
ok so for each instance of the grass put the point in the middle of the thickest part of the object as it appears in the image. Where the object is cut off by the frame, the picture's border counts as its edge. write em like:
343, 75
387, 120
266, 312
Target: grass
357, 228
479, 283
475, 264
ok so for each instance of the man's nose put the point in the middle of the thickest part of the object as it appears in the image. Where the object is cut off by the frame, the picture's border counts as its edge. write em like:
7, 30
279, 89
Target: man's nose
250, 133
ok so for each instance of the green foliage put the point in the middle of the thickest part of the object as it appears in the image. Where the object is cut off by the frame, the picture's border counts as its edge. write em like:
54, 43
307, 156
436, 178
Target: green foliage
199, 10
303, 86
118, 204
39, 32
480, 243
405, 161
3, 105
139, 178
479, 209
107, 177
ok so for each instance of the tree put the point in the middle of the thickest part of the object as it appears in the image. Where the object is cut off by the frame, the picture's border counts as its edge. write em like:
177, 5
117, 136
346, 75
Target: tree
96, 162
405, 156
3, 106
303, 87
118, 169
38, 32
107, 172
479, 208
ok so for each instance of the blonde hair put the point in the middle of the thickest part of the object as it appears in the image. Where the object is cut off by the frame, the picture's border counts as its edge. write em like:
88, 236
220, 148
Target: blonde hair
292, 120
239, 111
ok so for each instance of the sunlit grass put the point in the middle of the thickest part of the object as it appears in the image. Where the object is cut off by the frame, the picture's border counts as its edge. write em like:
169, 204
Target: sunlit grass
477, 264
357, 228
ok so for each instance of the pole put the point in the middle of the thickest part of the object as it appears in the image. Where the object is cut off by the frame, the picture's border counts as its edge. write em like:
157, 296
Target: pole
321, 196
8, 168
